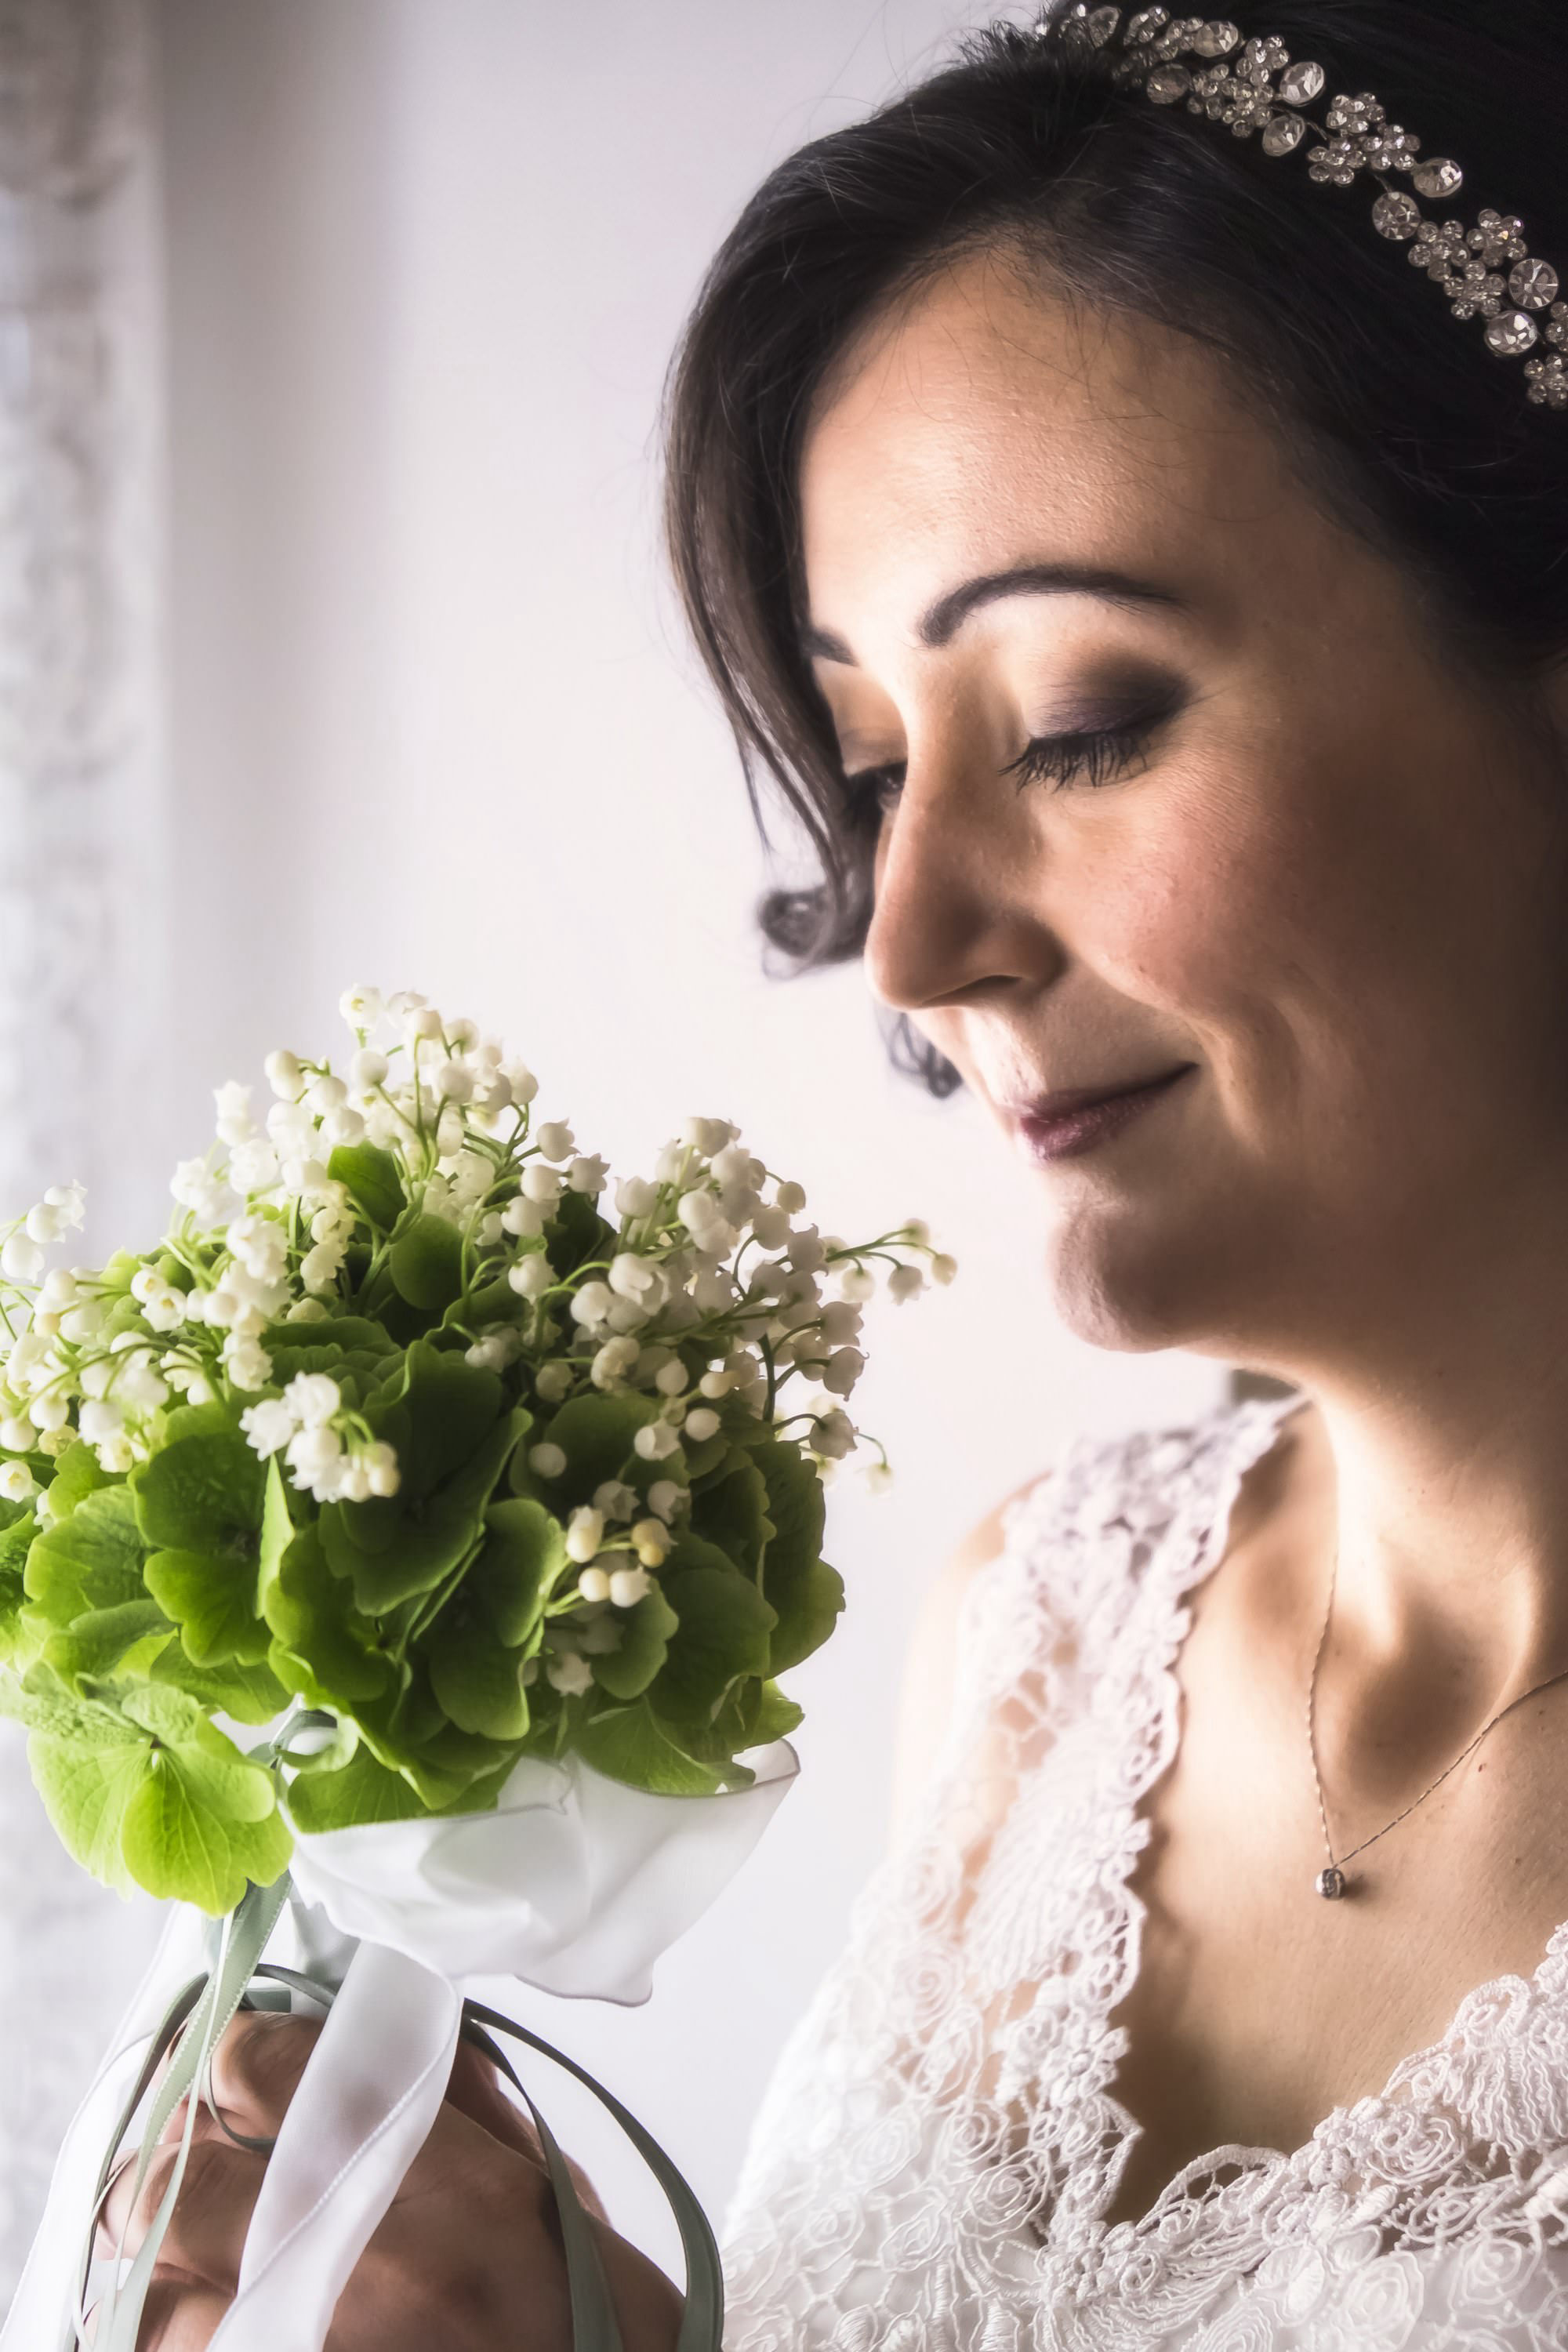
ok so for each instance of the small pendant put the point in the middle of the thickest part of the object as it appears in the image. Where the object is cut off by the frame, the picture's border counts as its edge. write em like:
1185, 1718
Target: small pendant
1330, 1883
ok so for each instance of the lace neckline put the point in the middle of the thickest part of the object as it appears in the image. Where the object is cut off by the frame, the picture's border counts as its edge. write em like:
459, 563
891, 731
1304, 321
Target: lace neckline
1236, 2171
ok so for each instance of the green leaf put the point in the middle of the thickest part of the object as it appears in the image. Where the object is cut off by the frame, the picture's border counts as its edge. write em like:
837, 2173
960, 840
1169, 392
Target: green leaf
807, 1594
372, 1180
125, 1639
214, 1602
777, 1717
251, 1694
646, 1632
323, 1647
92, 1560
426, 1263
626, 1743
404, 1545
348, 1347
733, 1513
358, 1793
597, 1435
202, 1491
19, 1526
173, 1715
578, 1234
477, 1682
524, 1553
77, 1474
201, 1824
724, 1632
86, 1789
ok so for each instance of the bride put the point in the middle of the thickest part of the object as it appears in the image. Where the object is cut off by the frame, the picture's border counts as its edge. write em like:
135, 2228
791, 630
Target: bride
1149, 591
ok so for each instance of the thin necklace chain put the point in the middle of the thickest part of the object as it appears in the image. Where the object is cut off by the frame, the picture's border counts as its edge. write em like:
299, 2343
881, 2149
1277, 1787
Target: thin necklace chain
1337, 1863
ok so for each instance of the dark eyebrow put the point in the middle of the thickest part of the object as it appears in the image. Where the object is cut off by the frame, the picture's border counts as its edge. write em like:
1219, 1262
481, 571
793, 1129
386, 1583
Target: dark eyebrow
940, 622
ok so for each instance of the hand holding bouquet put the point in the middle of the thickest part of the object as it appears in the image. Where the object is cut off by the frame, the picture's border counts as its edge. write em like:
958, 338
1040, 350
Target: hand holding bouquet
410, 1454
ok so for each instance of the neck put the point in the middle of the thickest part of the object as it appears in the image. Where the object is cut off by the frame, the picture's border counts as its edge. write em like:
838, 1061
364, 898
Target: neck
1436, 1460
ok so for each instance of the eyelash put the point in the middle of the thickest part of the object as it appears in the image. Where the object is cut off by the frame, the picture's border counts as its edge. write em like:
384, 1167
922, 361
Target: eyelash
1091, 758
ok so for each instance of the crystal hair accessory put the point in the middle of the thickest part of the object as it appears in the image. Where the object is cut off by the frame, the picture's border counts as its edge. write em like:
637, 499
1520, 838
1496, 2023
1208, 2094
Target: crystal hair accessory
1255, 87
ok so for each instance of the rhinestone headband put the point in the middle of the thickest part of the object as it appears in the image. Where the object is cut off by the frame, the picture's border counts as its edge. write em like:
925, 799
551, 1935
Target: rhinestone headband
1255, 87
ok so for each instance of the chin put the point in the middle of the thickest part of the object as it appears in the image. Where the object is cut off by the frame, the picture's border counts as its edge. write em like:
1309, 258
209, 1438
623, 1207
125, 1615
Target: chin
1131, 1294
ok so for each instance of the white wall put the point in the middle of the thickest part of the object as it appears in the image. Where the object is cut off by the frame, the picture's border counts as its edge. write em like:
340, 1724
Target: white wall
435, 727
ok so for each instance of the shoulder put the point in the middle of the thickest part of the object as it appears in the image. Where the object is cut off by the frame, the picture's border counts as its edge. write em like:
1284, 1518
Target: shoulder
1062, 1555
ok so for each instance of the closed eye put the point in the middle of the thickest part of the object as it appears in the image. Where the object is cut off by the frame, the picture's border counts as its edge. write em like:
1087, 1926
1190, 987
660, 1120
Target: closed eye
1090, 756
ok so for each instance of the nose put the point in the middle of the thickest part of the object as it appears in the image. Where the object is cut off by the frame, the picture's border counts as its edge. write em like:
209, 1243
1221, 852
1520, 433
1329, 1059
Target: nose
961, 871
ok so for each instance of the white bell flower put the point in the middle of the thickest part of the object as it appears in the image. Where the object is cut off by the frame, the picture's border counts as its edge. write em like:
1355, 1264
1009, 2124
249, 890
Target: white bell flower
833, 1435
771, 1226
313, 1398
83, 1324
521, 1082
708, 1135
588, 1174
906, 1282
402, 1004
877, 1477
453, 1082
716, 1383
554, 1381
584, 1532
915, 1229
856, 1283
651, 1538
532, 1276
62, 1290
656, 1441
613, 1363
235, 1123
117, 1454
594, 1584
806, 1249
248, 1363
791, 1198
840, 1322
592, 1305
99, 1420
345, 1126
671, 1162
21, 1258
615, 1499
547, 1459
556, 1140
368, 1070
361, 1007
636, 1197
670, 1379
666, 1497
285, 1077
17, 1484
254, 1166
627, 1586
570, 1674
48, 1410
315, 1455
381, 1465
841, 1374
701, 1423
542, 1185
267, 1426
523, 1217
69, 1201
624, 1315
16, 1434
139, 1387
942, 1267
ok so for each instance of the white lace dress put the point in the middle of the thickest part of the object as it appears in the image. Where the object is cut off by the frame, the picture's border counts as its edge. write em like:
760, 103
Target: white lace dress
931, 2167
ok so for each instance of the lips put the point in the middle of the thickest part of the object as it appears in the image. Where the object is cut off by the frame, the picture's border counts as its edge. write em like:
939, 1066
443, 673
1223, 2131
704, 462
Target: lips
1043, 1110
1065, 1125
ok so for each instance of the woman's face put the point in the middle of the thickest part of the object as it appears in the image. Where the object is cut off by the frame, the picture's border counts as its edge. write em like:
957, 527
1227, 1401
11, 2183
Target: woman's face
1300, 860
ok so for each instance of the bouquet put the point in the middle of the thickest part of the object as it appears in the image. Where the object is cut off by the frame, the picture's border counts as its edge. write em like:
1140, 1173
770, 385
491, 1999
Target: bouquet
389, 1558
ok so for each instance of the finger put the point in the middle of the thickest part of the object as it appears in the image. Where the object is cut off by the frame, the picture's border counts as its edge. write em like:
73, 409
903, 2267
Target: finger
205, 2233
179, 2315
256, 2066
476, 2090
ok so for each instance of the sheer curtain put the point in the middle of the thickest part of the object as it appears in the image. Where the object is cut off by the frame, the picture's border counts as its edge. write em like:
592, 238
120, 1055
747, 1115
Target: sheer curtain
81, 927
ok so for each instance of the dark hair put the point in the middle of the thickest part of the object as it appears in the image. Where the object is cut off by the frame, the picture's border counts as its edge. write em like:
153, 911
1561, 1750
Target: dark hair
1399, 420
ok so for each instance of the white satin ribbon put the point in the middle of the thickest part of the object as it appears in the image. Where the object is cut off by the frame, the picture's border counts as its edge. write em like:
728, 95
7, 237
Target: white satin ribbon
575, 1884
